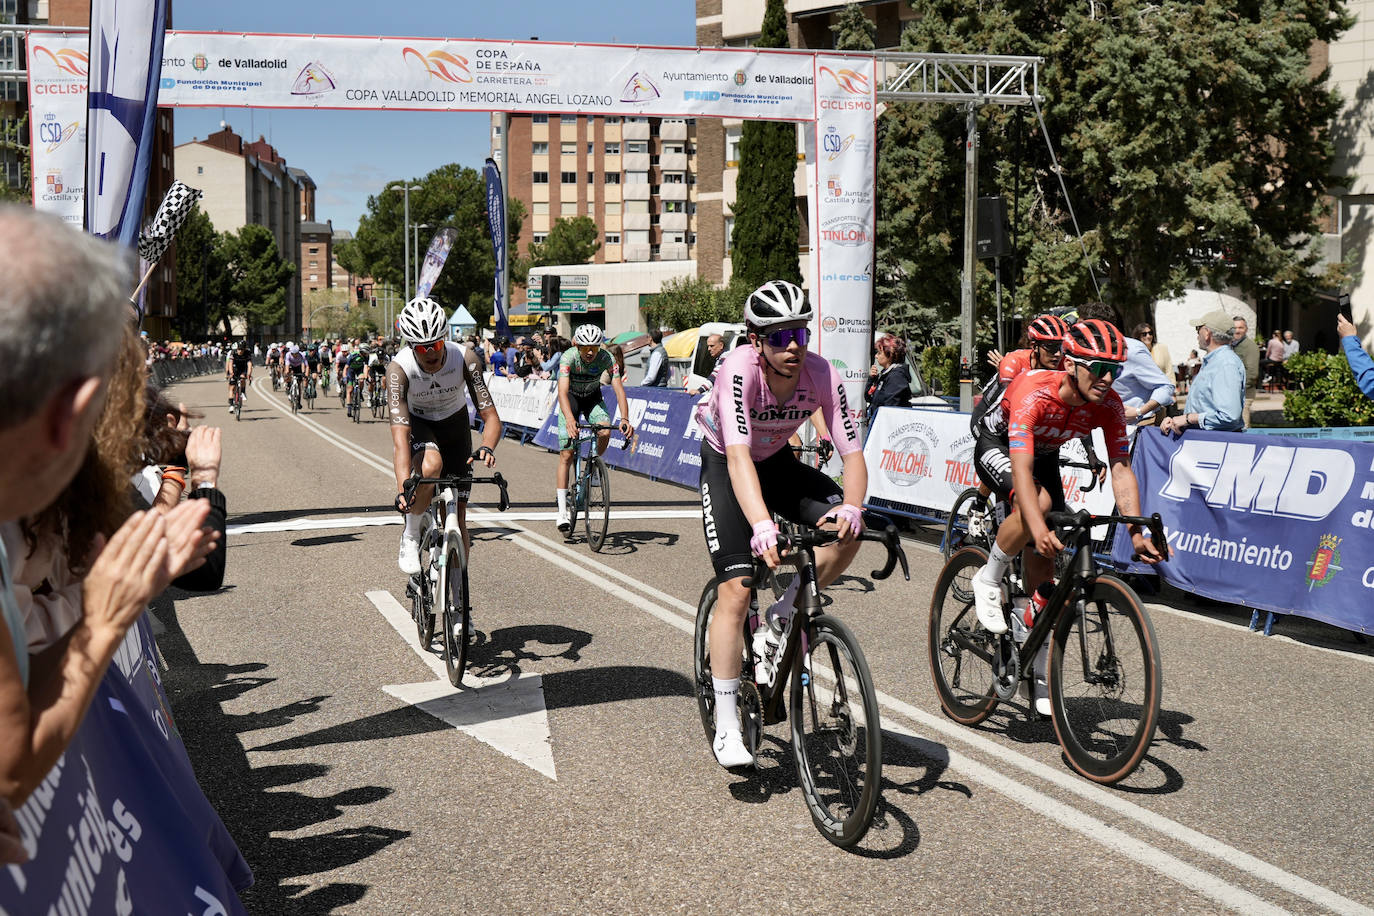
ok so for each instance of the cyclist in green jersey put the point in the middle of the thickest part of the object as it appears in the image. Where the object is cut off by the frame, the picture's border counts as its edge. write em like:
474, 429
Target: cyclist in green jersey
358, 370
579, 396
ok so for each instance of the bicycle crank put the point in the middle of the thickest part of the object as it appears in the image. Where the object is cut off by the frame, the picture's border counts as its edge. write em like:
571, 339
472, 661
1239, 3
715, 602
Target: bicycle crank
1006, 668
751, 716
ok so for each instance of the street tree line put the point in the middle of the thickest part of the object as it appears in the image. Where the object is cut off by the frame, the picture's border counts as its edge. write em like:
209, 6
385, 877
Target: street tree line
224, 277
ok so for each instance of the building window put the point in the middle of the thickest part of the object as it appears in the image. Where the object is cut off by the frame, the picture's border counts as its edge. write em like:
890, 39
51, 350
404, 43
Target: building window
612, 208
691, 238
613, 119
568, 118
540, 238
636, 146
567, 208
591, 147
314, 250
540, 177
314, 276
636, 236
539, 149
729, 233
674, 178
612, 178
591, 208
200, 170
539, 119
314, 263
636, 206
568, 149
691, 208
613, 149
653, 219
653, 252
591, 177
674, 206
673, 148
496, 129
675, 238
636, 177
732, 145
569, 178
612, 238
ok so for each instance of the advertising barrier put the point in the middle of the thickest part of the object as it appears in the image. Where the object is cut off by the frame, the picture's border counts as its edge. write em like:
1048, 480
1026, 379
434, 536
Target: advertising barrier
919, 461
1280, 524
522, 402
119, 825
669, 440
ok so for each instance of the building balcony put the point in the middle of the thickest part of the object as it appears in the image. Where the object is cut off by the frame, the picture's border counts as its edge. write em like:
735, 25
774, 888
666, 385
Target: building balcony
634, 162
673, 130
673, 191
673, 162
635, 130
635, 190
672, 251
634, 252
673, 222
634, 221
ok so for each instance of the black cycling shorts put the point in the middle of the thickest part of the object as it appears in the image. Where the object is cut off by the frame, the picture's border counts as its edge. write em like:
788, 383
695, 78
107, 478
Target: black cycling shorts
797, 492
992, 461
451, 437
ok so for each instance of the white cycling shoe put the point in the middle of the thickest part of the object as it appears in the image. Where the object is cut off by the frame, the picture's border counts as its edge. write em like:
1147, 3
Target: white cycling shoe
564, 521
409, 558
987, 600
730, 750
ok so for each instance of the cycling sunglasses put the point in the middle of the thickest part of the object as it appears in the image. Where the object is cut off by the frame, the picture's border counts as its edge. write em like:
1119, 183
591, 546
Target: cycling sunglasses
1049, 346
781, 339
1101, 368
425, 349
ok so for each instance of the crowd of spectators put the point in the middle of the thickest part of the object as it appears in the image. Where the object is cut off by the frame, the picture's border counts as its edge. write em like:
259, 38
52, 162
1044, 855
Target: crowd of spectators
107, 492
532, 356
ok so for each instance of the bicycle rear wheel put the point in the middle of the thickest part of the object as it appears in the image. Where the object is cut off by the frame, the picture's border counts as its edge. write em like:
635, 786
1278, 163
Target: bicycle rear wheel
836, 733
969, 523
455, 599
1105, 681
598, 509
961, 651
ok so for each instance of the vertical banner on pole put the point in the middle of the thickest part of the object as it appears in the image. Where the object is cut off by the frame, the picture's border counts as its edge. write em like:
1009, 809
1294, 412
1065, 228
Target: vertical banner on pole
496, 219
57, 123
844, 216
125, 65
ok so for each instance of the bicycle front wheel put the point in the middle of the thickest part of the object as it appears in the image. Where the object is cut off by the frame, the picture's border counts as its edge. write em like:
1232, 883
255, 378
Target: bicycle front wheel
1105, 681
969, 523
422, 600
575, 495
598, 509
455, 599
837, 738
961, 651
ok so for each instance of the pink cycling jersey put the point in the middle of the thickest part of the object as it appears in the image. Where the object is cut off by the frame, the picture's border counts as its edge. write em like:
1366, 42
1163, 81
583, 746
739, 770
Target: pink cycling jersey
741, 410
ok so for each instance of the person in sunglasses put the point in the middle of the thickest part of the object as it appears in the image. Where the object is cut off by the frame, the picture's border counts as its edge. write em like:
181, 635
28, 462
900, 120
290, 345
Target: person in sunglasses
1017, 456
580, 398
763, 394
427, 388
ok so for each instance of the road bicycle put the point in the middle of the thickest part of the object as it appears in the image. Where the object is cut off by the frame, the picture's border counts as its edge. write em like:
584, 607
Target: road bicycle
238, 398
324, 380
276, 378
310, 392
819, 667
343, 389
293, 391
1104, 672
377, 398
440, 589
975, 517
591, 486
355, 401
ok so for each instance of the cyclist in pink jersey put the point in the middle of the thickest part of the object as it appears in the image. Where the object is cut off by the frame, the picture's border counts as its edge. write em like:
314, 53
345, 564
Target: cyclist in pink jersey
763, 393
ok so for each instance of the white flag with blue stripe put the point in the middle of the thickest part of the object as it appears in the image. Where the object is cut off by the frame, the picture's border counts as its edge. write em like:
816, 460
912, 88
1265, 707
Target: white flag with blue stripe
125, 67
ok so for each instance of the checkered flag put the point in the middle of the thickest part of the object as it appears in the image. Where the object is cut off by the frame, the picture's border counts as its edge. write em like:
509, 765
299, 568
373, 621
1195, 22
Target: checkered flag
171, 213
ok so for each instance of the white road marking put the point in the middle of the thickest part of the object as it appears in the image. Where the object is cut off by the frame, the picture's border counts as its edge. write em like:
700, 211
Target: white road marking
1181, 872
306, 523
506, 713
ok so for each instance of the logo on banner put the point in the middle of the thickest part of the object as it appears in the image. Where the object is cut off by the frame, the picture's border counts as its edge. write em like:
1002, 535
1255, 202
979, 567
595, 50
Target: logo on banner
1325, 561
441, 65
53, 182
51, 131
833, 185
73, 61
850, 231
700, 95
828, 323
959, 473
1279, 480
851, 81
639, 88
741, 78
909, 459
200, 62
837, 277
313, 79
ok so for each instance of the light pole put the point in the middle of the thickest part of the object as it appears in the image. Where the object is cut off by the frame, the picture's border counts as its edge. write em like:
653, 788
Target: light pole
405, 230
415, 249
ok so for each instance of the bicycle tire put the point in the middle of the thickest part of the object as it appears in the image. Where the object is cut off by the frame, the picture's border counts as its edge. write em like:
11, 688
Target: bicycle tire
455, 599
840, 758
598, 513
958, 533
357, 404
573, 501
960, 650
293, 395
751, 713
422, 601
1106, 697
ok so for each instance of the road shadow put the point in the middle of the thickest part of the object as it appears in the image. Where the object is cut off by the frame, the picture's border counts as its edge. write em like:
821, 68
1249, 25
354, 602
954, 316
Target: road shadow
256, 803
624, 543
501, 652
327, 540
283, 515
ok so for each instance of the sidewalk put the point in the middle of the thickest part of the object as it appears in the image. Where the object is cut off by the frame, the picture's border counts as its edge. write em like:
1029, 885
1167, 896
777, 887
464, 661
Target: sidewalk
1268, 409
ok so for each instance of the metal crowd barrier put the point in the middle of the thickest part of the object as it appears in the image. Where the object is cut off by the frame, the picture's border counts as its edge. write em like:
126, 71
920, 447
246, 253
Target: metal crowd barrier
167, 371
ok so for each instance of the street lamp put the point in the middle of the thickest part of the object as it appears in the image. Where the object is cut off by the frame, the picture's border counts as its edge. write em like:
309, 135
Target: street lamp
416, 249
405, 229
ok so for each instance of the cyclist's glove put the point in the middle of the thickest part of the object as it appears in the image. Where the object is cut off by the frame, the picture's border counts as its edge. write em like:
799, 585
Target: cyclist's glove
824, 450
765, 538
852, 514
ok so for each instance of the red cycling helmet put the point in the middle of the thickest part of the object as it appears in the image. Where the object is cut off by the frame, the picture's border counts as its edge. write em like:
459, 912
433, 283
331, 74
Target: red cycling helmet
1047, 327
1095, 339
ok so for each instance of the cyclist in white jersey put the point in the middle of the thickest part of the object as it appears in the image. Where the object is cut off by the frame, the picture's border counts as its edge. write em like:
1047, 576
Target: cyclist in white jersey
427, 385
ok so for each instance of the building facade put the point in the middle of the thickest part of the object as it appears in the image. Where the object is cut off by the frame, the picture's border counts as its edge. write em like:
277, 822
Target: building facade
247, 183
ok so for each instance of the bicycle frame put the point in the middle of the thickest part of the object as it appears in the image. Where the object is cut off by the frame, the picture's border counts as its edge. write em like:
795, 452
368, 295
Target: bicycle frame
806, 606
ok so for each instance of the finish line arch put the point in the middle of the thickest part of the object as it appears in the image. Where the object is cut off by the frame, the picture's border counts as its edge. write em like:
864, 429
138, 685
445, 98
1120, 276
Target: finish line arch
831, 95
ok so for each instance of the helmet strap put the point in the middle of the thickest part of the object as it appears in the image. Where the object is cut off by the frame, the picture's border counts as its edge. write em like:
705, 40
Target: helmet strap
768, 363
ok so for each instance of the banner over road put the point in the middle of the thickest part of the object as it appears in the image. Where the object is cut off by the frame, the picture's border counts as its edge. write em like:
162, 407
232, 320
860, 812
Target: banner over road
439, 74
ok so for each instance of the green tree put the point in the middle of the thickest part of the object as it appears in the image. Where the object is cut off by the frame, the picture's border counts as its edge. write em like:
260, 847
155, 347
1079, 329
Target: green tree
12, 146
1182, 128
451, 195
570, 241
764, 245
689, 302
258, 276
201, 275
1327, 394
853, 30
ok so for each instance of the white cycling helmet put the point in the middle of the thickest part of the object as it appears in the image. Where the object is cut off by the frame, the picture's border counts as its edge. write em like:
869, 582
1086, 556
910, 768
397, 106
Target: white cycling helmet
777, 303
294, 349
588, 335
422, 320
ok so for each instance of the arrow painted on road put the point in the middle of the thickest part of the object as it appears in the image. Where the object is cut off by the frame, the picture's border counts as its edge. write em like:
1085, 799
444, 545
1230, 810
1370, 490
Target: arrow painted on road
506, 713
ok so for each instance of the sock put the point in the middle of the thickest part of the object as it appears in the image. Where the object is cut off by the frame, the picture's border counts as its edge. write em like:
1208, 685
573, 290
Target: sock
412, 526
998, 560
727, 704
562, 500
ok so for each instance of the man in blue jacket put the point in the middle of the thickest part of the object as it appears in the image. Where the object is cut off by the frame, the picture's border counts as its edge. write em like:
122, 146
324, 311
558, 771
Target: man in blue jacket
1359, 360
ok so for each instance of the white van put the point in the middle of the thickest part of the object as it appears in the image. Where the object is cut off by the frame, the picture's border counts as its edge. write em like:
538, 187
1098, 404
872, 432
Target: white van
697, 371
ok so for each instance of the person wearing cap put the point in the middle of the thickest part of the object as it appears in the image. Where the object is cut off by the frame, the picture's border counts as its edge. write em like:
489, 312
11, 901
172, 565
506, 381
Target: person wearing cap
1216, 396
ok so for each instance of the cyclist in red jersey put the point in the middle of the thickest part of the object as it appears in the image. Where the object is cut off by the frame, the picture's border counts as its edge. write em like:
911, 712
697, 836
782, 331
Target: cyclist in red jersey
1017, 456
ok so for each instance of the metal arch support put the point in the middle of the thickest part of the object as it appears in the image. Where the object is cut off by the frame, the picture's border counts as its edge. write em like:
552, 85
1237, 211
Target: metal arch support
991, 79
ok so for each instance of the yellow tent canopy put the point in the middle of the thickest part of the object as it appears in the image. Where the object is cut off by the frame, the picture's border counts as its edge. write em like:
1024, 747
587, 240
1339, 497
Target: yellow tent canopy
681, 344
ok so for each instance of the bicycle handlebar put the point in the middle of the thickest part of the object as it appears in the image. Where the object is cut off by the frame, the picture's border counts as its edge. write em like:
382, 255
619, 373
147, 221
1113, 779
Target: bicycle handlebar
881, 530
597, 427
1082, 518
457, 480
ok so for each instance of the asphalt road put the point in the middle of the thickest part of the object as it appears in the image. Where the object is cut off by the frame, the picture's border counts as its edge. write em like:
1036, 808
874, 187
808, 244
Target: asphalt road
287, 686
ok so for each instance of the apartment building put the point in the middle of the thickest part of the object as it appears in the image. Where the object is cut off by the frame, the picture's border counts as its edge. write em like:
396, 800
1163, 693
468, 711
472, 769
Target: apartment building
635, 177
250, 183
317, 255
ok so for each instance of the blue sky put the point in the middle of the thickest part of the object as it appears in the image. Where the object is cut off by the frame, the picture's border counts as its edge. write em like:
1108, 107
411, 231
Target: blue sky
351, 154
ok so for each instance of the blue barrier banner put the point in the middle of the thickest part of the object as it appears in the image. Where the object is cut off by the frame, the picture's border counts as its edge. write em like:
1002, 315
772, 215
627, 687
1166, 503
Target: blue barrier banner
1273, 523
120, 825
669, 445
